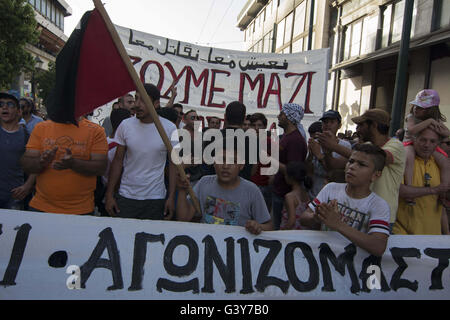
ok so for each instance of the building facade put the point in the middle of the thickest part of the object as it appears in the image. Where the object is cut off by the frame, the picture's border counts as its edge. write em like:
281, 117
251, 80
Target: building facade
364, 38
365, 55
282, 26
49, 15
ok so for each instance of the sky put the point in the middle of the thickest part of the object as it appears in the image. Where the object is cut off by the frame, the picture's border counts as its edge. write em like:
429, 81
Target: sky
209, 23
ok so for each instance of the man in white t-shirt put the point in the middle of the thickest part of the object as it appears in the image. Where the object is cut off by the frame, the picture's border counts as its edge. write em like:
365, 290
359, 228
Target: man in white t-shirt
142, 155
351, 208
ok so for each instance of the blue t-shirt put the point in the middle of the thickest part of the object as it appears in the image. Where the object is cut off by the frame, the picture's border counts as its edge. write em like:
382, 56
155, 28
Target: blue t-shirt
12, 147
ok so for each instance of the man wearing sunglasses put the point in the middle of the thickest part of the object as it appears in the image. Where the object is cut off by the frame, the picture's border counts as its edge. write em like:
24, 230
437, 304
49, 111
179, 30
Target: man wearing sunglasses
13, 139
427, 215
28, 109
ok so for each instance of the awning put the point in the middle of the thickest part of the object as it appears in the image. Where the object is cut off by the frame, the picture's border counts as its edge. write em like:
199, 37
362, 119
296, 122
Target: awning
415, 44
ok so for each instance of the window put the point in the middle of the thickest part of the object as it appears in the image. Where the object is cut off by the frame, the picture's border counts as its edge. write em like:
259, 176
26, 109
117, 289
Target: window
386, 26
353, 36
299, 23
355, 45
297, 46
31, 2
258, 25
267, 42
393, 22
54, 14
259, 46
280, 33
50, 9
369, 34
38, 5
397, 23
288, 30
444, 15
58, 19
45, 8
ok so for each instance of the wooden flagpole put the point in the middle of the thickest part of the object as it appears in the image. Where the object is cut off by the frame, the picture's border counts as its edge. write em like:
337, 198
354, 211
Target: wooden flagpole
142, 93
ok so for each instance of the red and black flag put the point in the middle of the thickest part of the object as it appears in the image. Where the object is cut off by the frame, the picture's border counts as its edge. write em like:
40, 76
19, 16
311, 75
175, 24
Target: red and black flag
89, 72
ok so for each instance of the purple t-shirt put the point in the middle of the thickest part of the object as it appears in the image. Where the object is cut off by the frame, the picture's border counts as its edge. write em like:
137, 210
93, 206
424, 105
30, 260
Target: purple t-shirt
292, 148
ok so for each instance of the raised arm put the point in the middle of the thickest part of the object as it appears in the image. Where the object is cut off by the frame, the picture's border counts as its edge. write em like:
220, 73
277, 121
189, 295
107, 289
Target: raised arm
173, 91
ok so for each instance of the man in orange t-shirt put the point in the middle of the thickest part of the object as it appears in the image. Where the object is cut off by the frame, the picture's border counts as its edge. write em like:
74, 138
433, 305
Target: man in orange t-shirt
67, 159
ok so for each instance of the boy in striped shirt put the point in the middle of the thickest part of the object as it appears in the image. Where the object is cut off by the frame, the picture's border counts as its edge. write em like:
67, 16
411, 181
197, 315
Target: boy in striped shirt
351, 208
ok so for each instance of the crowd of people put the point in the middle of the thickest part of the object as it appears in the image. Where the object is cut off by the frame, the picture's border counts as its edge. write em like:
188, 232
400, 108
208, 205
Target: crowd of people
366, 185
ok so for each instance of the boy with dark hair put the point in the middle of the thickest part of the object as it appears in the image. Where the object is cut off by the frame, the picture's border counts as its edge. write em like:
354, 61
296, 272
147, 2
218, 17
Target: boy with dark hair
233, 123
213, 123
235, 114
226, 198
258, 121
373, 126
351, 208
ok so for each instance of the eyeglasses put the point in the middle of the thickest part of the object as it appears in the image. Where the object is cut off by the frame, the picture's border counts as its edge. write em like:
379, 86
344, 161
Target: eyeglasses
194, 117
446, 142
427, 178
9, 104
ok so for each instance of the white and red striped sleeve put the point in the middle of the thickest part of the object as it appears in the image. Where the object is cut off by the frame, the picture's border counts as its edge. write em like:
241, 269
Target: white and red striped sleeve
322, 197
379, 217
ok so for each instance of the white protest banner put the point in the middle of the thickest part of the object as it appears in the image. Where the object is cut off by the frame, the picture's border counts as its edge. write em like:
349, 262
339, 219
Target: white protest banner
51, 256
210, 78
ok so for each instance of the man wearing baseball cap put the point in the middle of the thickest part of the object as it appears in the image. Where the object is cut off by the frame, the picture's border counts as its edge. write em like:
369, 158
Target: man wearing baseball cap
13, 139
332, 161
373, 126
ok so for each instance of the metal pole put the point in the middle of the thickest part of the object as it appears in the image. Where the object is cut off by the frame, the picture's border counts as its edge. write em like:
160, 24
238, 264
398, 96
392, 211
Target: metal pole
311, 24
402, 69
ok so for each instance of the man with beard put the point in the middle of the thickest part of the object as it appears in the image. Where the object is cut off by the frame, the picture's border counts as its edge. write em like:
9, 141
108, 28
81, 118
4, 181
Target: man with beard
373, 126
142, 155
292, 148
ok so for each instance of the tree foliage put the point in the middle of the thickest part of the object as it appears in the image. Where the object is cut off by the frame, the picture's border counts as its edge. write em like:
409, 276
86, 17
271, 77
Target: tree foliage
18, 27
45, 81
